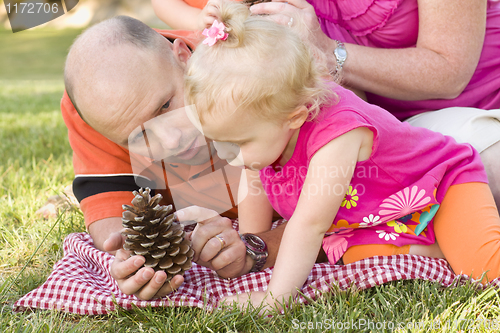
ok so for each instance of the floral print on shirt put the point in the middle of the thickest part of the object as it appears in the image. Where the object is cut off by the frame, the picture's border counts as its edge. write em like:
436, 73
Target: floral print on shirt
404, 202
351, 198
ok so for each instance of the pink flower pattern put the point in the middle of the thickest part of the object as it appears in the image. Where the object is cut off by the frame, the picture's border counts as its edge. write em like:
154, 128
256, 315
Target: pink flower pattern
403, 202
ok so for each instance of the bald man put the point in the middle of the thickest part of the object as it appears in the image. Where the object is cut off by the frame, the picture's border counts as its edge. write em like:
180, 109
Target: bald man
121, 77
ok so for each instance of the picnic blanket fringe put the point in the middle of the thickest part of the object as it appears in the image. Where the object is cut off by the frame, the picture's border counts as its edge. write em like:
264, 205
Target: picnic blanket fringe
81, 282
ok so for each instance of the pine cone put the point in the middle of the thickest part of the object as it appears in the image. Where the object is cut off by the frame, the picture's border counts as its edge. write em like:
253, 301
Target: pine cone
151, 232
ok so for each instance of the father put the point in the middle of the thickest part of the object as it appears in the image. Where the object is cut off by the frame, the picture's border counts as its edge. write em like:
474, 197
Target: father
119, 75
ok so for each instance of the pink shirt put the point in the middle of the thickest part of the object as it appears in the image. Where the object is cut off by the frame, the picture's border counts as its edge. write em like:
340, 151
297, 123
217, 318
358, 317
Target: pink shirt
399, 187
394, 24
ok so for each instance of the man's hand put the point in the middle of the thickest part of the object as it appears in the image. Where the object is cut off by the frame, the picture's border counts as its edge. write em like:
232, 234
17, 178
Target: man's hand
143, 282
228, 257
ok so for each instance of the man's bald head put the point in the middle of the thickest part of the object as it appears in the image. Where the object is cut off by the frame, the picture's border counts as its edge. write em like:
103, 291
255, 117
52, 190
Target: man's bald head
97, 52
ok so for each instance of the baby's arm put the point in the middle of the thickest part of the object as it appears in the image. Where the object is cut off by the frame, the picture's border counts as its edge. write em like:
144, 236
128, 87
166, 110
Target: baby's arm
315, 212
179, 15
255, 213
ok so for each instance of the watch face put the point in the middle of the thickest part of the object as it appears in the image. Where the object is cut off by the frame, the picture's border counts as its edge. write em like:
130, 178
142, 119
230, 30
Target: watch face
255, 242
341, 53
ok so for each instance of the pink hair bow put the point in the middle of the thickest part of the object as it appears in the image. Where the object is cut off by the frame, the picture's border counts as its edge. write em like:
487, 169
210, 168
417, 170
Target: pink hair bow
215, 33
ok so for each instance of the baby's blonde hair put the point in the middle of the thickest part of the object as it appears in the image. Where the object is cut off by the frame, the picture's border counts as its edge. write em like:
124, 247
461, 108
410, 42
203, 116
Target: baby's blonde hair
262, 67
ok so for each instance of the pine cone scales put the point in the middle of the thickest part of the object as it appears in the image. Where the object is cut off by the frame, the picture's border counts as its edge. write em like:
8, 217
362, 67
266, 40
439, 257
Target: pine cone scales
151, 232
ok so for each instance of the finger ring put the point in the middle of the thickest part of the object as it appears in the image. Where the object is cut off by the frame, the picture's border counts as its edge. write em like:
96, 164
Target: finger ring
222, 241
290, 23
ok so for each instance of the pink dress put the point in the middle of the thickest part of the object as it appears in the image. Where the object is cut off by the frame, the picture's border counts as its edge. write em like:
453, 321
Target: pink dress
394, 24
394, 195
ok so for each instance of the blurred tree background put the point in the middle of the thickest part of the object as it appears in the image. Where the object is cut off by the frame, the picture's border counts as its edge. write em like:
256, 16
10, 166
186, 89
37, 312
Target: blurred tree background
39, 53
88, 12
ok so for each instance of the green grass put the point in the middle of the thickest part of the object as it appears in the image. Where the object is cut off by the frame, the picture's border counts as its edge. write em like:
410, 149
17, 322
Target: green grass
36, 163
35, 53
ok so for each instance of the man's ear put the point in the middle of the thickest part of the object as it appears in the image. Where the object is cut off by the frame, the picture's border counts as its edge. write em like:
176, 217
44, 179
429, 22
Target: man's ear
298, 117
182, 53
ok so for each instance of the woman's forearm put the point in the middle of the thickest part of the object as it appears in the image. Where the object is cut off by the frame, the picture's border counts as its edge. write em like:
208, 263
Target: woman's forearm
450, 39
405, 74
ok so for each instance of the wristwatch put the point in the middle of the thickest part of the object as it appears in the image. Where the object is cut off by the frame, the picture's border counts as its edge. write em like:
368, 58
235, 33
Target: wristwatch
341, 56
256, 249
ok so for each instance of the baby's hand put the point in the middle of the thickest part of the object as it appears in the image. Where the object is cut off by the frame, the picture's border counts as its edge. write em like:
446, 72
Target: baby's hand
258, 299
208, 15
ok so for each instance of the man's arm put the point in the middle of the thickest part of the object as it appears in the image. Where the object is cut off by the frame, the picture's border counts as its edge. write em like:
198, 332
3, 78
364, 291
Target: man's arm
104, 230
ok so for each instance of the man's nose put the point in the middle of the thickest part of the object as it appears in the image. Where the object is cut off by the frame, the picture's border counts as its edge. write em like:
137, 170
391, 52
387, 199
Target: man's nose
170, 138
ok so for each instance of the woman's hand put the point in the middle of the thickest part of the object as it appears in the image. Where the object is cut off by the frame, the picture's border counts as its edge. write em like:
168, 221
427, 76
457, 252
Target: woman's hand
299, 15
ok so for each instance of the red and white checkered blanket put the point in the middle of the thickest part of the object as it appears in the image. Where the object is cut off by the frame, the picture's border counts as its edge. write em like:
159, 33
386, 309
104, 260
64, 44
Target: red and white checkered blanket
81, 283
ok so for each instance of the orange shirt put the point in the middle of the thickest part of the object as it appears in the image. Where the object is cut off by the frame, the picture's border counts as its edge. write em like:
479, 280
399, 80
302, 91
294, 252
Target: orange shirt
105, 175
197, 3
